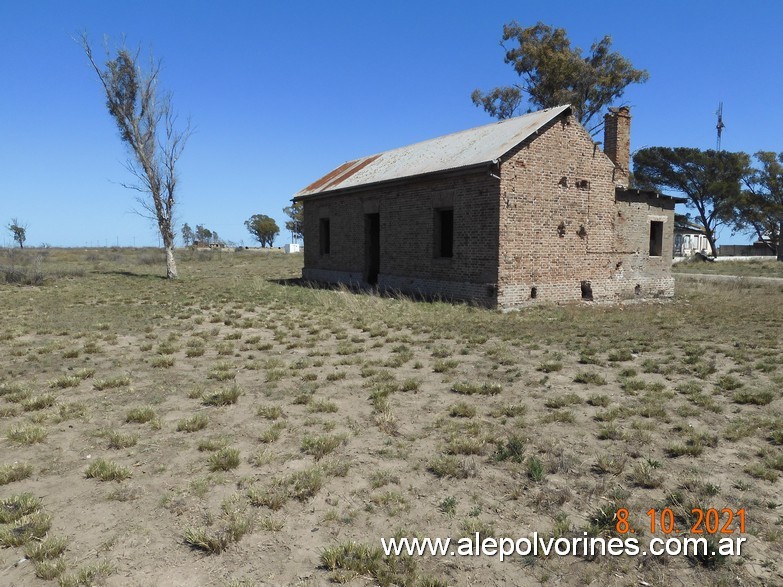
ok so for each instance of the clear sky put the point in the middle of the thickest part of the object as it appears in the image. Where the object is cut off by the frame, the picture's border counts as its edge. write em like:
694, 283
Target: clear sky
281, 92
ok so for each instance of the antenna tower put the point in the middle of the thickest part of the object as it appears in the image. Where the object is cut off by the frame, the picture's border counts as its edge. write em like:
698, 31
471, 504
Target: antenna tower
720, 124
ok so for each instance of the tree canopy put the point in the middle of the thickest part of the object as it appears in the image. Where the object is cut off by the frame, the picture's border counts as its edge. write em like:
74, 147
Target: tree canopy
18, 231
711, 180
296, 223
263, 228
553, 73
146, 122
759, 207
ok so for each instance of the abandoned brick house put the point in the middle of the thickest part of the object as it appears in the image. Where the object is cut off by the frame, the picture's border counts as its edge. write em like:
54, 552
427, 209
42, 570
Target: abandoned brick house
517, 212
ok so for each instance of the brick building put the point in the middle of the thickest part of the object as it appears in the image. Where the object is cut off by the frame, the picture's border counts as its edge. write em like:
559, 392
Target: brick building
513, 213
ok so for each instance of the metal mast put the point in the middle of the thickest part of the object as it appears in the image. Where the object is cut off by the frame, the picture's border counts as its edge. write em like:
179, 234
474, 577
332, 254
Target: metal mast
720, 124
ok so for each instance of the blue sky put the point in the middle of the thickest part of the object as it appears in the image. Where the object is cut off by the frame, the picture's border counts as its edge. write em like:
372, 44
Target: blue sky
279, 93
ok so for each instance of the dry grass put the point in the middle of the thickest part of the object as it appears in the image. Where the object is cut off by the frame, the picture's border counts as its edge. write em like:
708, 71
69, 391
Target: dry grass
361, 415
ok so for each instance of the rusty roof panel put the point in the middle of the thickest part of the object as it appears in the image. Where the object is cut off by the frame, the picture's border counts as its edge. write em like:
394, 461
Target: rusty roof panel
482, 144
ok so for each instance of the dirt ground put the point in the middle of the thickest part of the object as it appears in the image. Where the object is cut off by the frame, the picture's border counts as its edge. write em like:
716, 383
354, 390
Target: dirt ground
237, 428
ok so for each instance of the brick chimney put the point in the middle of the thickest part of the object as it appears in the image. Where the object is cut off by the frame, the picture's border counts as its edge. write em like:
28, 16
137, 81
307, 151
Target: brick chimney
617, 142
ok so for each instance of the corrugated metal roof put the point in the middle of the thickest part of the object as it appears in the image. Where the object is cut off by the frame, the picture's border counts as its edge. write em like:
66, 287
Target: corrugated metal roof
482, 144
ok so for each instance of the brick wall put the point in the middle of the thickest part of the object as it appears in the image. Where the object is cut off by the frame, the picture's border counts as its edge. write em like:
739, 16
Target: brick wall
407, 215
556, 231
561, 227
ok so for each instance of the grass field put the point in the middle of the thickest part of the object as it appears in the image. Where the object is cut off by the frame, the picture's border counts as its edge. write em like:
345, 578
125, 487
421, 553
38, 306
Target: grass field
235, 428
755, 268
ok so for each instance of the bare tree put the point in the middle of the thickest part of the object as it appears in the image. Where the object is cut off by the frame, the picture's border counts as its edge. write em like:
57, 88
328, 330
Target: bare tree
146, 121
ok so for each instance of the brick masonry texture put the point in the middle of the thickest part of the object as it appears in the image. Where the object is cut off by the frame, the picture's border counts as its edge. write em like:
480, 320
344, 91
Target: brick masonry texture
535, 227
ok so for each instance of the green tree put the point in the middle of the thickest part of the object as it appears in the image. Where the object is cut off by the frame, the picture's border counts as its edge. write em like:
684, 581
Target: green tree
711, 180
296, 223
146, 121
553, 73
263, 228
18, 232
759, 206
187, 235
203, 235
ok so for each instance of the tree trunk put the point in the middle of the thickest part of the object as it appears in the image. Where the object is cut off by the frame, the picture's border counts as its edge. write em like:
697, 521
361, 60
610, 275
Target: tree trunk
780, 241
711, 239
171, 264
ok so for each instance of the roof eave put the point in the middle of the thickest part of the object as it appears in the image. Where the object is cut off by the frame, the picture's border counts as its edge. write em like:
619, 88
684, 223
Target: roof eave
392, 182
651, 193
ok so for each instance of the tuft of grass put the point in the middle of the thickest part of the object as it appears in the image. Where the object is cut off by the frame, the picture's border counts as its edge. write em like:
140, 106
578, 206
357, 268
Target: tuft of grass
757, 397
511, 450
381, 478
140, 415
535, 469
112, 382
30, 527
162, 362
270, 412
40, 402
462, 410
193, 424
29, 434
322, 406
118, 440
64, 382
95, 574
224, 459
643, 476
47, 549
550, 366
562, 401
465, 388
350, 559
510, 411
14, 472
448, 506
320, 446
224, 397
589, 378
212, 444
620, 355
608, 464
49, 570
104, 470
445, 365
272, 434
452, 467
17, 506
